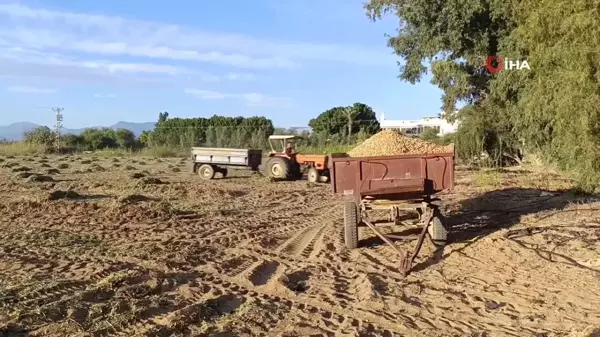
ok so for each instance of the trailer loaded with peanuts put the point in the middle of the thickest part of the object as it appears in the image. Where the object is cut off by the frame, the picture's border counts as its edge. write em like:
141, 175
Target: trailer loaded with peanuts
393, 172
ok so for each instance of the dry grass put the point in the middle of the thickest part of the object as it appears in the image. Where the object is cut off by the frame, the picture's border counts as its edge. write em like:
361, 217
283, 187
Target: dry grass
21, 148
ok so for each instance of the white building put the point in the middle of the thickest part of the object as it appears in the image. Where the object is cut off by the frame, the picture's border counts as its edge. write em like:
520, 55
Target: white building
415, 127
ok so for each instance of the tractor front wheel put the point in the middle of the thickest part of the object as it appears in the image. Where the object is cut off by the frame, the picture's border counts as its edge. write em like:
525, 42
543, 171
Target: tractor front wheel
313, 175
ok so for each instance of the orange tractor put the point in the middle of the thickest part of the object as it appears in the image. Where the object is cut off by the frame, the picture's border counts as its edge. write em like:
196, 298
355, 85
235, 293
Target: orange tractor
285, 163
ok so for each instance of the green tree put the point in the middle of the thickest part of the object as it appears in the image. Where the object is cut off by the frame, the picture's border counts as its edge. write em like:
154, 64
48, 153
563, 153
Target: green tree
346, 120
40, 135
456, 38
162, 117
72, 141
211, 137
145, 138
429, 134
96, 139
125, 138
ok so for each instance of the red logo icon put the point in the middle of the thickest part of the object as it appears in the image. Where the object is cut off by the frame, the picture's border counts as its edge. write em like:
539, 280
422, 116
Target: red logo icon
494, 64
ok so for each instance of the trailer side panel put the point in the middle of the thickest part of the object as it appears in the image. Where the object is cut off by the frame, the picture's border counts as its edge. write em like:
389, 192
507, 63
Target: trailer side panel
404, 174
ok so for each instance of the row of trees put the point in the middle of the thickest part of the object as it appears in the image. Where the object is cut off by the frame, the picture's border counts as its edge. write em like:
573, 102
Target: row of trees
88, 140
336, 126
216, 131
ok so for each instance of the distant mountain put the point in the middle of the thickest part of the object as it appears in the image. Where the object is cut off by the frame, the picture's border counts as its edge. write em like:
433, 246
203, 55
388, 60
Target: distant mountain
16, 131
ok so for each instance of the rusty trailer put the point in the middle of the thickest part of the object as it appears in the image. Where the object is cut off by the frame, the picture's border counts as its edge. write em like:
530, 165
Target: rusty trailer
393, 183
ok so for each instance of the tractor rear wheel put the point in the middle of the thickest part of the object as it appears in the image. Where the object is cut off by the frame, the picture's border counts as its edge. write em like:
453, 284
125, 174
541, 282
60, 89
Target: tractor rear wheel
206, 171
278, 168
351, 221
313, 175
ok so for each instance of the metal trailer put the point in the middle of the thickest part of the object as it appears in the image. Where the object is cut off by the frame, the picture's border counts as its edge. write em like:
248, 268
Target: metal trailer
394, 183
207, 161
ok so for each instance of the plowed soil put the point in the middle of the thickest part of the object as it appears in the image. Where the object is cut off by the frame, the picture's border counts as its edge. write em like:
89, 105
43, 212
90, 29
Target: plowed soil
143, 247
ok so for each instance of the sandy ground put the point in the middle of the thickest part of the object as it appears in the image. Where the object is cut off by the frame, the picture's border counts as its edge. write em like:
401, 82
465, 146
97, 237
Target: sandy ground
129, 255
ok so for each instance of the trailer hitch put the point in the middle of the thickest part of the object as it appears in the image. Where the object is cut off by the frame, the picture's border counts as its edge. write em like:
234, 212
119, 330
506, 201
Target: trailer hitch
407, 258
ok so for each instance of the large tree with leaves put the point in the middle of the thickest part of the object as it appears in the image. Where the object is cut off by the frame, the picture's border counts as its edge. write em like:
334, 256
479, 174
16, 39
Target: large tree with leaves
455, 38
551, 110
346, 120
40, 135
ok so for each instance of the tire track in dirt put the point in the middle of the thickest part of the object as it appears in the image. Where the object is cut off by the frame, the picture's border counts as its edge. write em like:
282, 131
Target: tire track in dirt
324, 265
56, 293
330, 324
201, 300
236, 264
262, 272
351, 292
59, 264
224, 240
300, 241
343, 296
138, 286
317, 244
153, 322
240, 233
314, 307
333, 242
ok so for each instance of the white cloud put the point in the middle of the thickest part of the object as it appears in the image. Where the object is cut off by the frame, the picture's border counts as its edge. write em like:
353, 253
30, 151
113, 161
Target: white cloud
238, 76
16, 61
249, 99
31, 90
206, 94
101, 95
38, 29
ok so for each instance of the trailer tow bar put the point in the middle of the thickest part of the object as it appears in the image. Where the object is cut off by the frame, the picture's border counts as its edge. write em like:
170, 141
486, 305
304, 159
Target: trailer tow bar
407, 258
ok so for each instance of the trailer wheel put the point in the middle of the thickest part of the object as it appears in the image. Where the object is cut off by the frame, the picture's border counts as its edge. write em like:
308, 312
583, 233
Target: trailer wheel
324, 178
313, 175
437, 231
278, 168
351, 225
224, 173
206, 172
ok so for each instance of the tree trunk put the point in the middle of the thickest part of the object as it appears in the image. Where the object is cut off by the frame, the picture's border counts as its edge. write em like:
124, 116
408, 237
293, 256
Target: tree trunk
349, 127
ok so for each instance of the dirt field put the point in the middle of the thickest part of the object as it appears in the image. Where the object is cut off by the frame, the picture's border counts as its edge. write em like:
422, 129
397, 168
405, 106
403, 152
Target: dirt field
119, 253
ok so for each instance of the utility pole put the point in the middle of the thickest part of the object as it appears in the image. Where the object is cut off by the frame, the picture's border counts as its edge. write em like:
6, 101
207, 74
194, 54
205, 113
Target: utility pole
58, 126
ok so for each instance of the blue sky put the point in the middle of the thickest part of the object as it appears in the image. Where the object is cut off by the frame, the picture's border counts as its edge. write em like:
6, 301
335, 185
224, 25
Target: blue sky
109, 61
